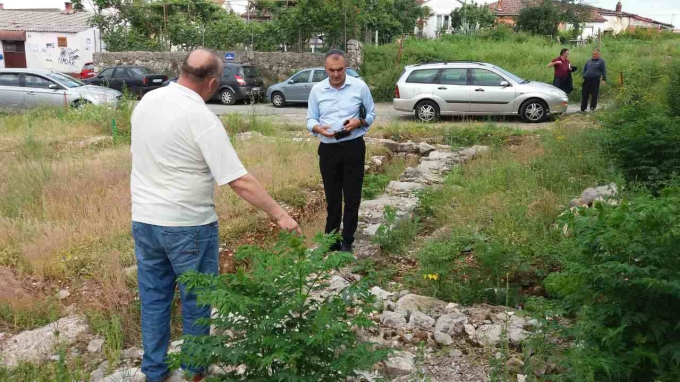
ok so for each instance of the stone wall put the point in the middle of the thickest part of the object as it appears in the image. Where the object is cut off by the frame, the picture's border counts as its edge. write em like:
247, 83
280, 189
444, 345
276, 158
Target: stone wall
273, 66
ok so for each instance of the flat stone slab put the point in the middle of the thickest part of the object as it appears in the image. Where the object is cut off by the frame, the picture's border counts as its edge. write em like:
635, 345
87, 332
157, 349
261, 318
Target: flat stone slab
372, 211
403, 188
38, 345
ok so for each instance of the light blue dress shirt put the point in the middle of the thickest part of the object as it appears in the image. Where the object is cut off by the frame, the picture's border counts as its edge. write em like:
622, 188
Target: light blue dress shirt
329, 106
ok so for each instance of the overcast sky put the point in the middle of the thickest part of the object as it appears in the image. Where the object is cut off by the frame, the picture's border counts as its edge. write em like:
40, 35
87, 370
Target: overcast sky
661, 10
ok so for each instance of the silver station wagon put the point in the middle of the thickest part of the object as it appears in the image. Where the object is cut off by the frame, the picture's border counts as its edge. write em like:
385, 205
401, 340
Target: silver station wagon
27, 88
474, 88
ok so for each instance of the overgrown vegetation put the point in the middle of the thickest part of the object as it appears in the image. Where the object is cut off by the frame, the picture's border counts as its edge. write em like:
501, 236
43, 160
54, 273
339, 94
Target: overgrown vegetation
621, 279
283, 328
644, 140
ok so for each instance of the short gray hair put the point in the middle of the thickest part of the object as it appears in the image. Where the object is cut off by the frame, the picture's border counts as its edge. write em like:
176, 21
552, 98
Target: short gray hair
335, 52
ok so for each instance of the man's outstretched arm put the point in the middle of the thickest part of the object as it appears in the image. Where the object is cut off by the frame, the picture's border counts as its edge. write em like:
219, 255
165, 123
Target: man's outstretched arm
250, 190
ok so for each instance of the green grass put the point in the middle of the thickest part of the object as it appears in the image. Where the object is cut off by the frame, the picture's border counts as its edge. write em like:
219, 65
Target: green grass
642, 61
501, 208
375, 183
19, 318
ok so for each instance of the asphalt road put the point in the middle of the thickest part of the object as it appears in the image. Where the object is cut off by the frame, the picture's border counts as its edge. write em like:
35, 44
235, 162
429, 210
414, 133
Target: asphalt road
296, 114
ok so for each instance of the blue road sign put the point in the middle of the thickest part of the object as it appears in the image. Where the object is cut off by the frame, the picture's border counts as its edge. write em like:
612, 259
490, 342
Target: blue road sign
230, 56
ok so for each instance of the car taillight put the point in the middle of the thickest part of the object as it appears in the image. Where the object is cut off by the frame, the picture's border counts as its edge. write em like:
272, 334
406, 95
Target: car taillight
146, 81
240, 80
396, 92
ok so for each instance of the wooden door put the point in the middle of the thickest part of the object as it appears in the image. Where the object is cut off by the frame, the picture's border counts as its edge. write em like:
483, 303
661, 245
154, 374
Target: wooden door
15, 54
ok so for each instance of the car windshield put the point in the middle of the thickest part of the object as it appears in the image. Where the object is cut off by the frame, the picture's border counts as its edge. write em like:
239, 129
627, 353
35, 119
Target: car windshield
250, 72
515, 78
65, 80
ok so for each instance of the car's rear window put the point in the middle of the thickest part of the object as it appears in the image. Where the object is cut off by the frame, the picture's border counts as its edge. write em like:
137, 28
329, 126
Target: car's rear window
140, 72
423, 76
352, 72
250, 72
89, 67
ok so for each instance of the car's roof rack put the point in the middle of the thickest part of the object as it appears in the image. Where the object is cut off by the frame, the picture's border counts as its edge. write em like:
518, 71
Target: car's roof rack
451, 62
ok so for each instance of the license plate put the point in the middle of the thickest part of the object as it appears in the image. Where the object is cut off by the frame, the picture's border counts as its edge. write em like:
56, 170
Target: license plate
256, 89
157, 80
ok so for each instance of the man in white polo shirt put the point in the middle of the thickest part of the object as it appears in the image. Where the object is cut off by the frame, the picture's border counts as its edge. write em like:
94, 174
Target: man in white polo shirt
180, 149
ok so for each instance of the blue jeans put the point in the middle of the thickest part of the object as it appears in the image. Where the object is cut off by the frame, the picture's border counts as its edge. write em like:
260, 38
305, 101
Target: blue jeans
163, 254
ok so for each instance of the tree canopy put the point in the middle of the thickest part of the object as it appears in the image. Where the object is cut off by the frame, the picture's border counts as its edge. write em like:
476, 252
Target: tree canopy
154, 25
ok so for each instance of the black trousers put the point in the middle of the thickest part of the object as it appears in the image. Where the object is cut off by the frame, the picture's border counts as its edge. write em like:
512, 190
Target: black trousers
342, 171
591, 88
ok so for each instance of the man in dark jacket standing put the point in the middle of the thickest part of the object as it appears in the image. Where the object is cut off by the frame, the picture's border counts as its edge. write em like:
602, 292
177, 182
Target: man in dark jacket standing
594, 75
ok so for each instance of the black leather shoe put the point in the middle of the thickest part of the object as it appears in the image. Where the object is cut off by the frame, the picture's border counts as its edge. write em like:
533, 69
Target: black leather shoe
337, 247
346, 247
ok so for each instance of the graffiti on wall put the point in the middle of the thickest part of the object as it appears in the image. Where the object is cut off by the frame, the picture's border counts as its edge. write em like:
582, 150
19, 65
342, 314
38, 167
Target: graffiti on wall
69, 57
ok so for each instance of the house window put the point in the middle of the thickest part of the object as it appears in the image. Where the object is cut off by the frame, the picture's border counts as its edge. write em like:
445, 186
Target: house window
439, 22
61, 42
446, 22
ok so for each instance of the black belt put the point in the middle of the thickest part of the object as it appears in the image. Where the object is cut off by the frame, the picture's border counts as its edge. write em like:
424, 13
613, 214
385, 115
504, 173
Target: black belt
346, 143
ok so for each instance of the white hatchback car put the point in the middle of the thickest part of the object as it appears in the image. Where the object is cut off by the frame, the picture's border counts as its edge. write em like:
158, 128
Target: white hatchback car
474, 88
28, 88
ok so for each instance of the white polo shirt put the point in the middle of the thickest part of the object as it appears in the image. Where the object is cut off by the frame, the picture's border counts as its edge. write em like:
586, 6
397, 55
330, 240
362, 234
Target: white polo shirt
180, 149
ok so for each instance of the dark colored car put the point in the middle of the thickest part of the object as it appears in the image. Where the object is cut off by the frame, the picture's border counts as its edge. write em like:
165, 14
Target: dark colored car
239, 83
136, 79
87, 72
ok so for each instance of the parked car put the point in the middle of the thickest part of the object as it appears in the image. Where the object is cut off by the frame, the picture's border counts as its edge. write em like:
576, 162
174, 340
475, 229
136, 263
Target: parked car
239, 83
296, 89
88, 71
23, 88
474, 88
136, 79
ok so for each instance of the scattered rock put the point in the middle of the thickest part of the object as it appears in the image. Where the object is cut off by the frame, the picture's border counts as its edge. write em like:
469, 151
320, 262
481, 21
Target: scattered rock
392, 320
403, 188
364, 250
602, 194
404, 293
414, 302
540, 367
514, 366
421, 320
97, 375
36, 345
248, 135
401, 363
455, 353
521, 378
517, 335
377, 161
128, 375
469, 330
95, 346
424, 148
450, 308
443, 339
422, 335
452, 324
372, 230
337, 284
63, 294
381, 294
489, 335
133, 353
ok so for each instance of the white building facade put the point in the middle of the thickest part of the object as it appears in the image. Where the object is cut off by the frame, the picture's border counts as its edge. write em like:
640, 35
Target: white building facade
440, 21
57, 40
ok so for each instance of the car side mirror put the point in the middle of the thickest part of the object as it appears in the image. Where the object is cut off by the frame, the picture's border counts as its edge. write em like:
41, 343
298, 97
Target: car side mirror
53, 86
505, 84
291, 82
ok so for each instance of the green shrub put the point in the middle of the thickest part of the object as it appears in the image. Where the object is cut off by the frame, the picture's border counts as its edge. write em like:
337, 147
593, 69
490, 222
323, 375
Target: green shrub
374, 185
644, 142
674, 90
622, 279
487, 134
394, 235
274, 327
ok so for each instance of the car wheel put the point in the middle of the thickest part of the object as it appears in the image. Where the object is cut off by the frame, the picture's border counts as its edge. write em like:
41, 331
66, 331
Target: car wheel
278, 99
80, 104
427, 111
534, 111
227, 97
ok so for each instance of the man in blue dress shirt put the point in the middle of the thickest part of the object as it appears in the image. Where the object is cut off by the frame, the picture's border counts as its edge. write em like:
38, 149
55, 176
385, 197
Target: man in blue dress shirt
334, 116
